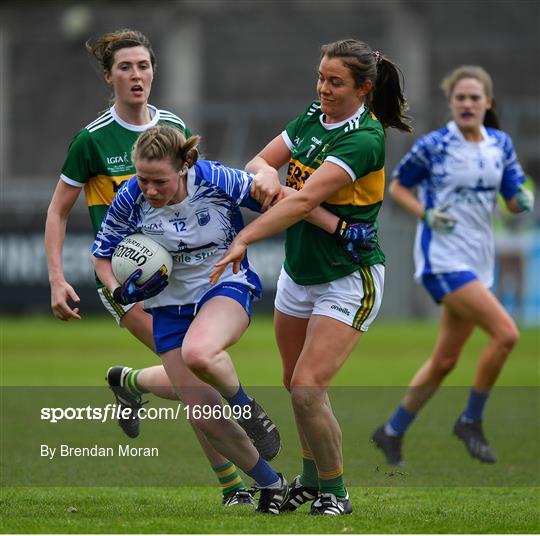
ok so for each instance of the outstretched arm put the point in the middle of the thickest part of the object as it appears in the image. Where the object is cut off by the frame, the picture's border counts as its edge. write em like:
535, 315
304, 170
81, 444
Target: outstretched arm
266, 188
319, 216
327, 180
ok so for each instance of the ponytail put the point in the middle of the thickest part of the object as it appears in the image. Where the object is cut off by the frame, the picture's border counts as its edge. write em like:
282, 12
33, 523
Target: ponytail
189, 153
387, 100
491, 119
163, 142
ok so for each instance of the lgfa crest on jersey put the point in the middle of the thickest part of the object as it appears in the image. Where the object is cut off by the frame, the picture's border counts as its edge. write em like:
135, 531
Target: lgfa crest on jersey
203, 216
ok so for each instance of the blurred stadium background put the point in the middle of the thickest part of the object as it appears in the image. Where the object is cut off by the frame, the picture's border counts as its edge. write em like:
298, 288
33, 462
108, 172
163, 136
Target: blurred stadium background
237, 71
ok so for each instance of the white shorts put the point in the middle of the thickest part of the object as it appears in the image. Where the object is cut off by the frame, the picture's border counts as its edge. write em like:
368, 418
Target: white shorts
354, 299
117, 311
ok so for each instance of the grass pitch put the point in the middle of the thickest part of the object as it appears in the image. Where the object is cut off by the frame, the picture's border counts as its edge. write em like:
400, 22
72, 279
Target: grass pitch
503, 498
196, 510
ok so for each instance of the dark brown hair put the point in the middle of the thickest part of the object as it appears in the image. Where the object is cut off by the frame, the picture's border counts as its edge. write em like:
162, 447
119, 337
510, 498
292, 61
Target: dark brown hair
106, 46
386, 99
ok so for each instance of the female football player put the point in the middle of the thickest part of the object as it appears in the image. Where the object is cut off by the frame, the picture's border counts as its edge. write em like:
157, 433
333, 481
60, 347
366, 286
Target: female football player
99, 160
458, 172
335, 152
195, 205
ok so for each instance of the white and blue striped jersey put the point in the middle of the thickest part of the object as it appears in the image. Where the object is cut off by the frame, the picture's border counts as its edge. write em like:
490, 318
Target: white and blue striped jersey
466, 176
196, 231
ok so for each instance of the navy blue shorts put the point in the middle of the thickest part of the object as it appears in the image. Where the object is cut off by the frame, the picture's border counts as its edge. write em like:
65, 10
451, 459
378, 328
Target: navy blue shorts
439, 285
171, 323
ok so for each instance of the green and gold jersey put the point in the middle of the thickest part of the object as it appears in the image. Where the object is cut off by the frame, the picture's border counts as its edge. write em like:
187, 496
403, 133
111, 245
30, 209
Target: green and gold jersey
313, 256
99, 157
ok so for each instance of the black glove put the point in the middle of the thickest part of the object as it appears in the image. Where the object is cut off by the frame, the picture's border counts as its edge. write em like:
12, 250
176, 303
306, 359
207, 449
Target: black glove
355, 236
130, 292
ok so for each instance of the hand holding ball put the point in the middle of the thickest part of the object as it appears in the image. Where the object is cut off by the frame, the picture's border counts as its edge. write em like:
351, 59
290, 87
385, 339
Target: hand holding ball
142, 267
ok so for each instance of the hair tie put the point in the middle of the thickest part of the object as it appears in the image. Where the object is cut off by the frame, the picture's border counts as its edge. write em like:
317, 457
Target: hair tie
378, 57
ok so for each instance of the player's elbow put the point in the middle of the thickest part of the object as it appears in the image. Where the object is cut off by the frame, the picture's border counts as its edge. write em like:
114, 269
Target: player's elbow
96, 261
99, 263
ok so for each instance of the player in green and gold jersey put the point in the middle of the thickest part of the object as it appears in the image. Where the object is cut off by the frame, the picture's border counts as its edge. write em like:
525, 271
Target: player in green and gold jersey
99, 160
311, 142
325, 300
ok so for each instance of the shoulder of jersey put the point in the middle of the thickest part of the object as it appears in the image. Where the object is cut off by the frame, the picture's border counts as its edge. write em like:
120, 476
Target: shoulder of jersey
202, 166
499, 136
132, 189
436, 137
206, 171
313, 109
103, 120
360, 122
165, 115
367, 121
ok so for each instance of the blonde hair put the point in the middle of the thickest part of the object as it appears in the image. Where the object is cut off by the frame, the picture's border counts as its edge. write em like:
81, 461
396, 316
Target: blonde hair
163, 142
467, 71
108, 44
449, 82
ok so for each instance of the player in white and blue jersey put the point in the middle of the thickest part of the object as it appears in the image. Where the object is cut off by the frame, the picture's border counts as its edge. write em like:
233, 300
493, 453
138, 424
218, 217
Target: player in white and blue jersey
465, 177
192, 209
458, 172
98, 160
193, 230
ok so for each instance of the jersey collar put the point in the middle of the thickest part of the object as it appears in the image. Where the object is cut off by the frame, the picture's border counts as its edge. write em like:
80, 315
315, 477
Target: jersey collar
154, 114
454, 129
333, 126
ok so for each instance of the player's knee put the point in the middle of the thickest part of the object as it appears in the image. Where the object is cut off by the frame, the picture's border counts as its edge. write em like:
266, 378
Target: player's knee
197, 357
309, 377
507, 337
306, 399
302, 400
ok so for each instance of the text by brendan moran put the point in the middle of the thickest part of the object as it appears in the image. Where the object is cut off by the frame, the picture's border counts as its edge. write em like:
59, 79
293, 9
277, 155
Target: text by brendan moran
96, 451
